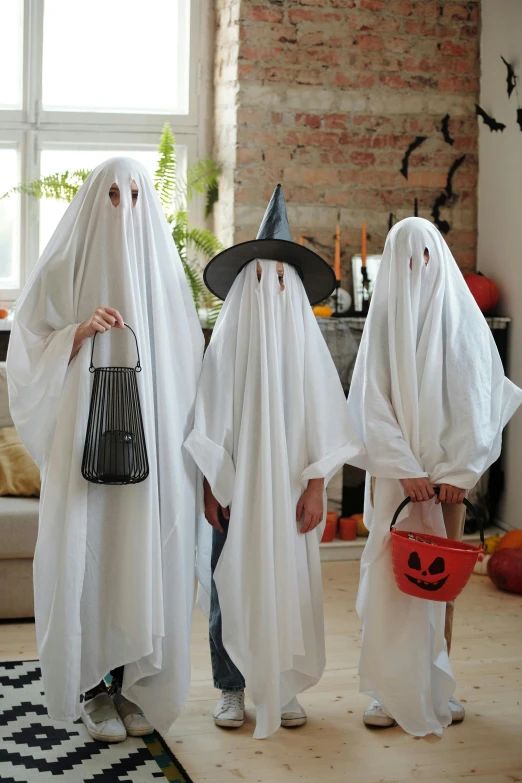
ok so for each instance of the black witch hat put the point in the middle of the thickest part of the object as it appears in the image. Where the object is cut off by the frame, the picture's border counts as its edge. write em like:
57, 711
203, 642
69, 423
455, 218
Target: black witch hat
273, 243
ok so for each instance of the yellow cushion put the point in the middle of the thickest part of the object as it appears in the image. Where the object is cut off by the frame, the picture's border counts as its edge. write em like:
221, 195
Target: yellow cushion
18, 473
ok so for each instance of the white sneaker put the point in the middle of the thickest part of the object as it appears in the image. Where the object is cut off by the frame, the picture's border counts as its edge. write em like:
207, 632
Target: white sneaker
101, 719
458, 713
230, 711
133, 718
293, 715
376, 716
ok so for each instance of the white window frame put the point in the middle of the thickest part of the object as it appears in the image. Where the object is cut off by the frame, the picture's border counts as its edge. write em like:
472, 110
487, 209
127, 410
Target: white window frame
31, 130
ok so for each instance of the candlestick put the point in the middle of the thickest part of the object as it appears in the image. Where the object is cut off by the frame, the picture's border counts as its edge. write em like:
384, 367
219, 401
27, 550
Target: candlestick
363, 243
416, 208
337, 257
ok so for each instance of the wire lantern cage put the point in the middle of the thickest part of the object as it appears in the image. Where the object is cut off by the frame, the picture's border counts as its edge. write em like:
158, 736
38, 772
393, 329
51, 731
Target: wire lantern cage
115, 450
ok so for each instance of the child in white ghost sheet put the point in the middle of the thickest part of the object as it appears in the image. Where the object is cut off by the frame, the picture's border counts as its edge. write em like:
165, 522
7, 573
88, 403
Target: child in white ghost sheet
270, 430
428, 402
114, 565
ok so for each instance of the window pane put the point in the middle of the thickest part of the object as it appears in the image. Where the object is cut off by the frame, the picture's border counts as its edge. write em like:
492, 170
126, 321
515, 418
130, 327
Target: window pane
118, 56
56, 161
9, 220
11, 37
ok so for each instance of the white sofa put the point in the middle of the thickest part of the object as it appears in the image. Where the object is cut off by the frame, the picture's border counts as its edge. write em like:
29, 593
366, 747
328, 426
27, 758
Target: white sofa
18, 531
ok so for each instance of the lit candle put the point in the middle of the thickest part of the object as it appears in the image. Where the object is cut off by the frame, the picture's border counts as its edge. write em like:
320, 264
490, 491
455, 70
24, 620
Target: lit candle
300, 241
363, 243
337, 257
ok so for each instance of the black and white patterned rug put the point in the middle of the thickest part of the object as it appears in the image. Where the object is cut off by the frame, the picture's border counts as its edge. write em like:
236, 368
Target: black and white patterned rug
35, 749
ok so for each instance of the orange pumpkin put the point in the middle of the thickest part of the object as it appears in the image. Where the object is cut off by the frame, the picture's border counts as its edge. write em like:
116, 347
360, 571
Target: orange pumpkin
512, 540
484, 290
323, 311
362, 530
3, 312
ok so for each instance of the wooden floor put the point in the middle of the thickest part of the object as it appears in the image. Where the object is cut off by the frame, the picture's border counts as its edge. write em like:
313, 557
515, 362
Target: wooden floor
334, 746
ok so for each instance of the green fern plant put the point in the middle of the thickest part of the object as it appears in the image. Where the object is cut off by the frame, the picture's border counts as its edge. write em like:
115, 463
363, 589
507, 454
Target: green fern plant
63, 187
196, 246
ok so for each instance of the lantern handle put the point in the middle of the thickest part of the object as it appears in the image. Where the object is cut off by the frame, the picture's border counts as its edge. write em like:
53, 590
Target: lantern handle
466, 502
92, 368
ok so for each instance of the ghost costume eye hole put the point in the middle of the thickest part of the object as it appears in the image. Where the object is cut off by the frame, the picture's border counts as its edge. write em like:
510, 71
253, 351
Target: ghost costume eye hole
114, 195
281, 275
134, 191
426, 258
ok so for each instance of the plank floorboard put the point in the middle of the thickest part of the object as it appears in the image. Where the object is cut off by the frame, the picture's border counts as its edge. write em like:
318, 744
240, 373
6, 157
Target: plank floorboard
334, 746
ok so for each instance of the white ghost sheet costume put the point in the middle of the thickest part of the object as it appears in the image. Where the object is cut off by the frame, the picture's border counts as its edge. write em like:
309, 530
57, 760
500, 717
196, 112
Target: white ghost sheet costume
270, 415
428, 398
114, 565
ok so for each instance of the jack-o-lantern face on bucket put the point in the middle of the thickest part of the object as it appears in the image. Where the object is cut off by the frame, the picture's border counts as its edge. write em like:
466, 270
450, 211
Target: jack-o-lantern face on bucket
436, 567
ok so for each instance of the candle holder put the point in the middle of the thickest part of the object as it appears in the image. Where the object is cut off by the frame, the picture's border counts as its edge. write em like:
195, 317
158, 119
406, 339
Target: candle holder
366, 293
335, 297
363, 278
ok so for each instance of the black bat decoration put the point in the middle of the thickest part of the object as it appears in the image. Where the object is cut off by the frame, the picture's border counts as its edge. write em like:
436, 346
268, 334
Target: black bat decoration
413, 146
492, 124
442, 199
451, 173
511, 77
443, 225
445, 130
519, 118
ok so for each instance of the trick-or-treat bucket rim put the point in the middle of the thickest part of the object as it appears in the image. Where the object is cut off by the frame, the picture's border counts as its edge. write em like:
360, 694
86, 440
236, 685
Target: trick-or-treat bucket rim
458, 557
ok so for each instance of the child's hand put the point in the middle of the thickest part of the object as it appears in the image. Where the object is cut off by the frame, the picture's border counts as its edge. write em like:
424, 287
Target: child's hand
419, 489
103, 319
212, 508
310, 508
450, 494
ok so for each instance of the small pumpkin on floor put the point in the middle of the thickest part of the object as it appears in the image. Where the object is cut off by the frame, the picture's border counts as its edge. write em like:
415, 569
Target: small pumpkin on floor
481, 566
491, 543
511, 540
362, 530
505, 570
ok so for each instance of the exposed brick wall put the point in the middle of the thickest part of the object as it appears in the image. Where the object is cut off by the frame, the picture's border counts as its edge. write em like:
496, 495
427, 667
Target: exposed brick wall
327, 96
226, 86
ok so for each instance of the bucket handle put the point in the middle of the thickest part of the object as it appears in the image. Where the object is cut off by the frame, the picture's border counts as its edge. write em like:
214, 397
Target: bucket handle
92, 368
466, 502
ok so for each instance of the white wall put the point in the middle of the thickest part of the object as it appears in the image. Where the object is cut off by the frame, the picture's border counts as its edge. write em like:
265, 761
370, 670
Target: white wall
500, 208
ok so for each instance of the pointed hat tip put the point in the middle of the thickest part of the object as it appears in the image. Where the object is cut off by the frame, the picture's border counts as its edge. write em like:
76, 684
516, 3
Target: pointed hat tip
275, 221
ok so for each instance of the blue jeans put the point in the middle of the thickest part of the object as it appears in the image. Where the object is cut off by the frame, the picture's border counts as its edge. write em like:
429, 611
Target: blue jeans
227, 676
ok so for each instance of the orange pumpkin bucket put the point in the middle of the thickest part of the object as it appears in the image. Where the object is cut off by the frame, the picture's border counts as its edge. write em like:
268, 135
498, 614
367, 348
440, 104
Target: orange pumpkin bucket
432, 567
